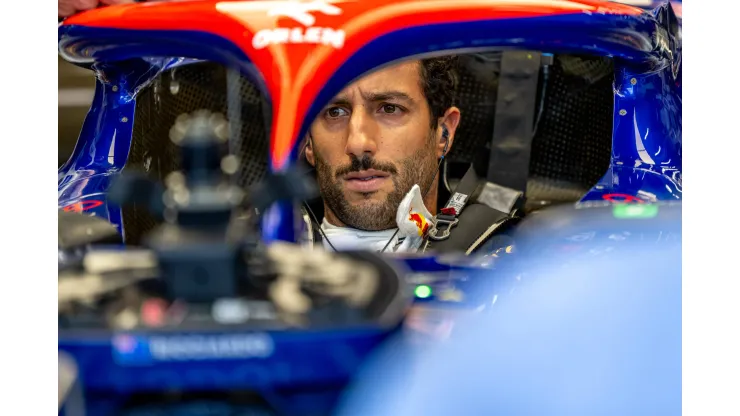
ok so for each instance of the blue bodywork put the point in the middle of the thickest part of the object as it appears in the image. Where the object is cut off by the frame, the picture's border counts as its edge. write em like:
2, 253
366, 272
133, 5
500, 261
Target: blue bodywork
645, 168
319, 361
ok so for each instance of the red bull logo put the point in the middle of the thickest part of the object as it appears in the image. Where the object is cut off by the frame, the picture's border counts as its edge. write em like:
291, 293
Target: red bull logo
421, 223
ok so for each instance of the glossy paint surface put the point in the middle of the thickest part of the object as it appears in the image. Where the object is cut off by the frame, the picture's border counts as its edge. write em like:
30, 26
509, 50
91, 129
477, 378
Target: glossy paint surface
104, 142
336, 354
646, 145
110, 365
100, 153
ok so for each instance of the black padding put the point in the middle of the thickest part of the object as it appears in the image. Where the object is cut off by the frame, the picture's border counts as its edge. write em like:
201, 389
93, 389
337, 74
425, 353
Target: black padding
474, 221
80, 230
572, 146
391, 297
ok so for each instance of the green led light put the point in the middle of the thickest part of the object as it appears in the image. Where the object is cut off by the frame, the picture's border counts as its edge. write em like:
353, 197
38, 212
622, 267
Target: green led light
423, 291
629, 211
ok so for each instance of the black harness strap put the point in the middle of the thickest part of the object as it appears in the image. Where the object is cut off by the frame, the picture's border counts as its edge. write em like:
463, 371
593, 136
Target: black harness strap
511, 144
473, 222
447, 218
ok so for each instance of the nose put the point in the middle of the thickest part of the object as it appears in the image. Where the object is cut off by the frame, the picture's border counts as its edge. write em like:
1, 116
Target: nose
361, 138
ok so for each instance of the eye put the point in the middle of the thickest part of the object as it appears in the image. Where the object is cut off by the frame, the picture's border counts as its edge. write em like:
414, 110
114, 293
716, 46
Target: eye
335, 112
390, 109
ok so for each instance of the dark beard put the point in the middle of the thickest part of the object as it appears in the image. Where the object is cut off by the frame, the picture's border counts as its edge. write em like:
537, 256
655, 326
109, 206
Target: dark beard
419, 169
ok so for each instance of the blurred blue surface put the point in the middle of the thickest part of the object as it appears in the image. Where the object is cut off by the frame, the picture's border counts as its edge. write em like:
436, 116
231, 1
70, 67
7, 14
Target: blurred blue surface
593, 337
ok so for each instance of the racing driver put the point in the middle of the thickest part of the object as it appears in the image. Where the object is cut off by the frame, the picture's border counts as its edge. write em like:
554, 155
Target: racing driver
376, 149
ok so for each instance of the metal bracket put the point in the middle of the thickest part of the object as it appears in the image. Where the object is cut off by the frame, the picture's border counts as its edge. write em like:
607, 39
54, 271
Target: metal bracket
445, 232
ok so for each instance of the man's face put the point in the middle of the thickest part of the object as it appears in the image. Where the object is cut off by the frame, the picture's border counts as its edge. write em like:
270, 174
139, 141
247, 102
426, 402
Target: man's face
371, 144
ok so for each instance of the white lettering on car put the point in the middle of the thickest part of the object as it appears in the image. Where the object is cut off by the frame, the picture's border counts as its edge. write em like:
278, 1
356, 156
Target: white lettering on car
298, 11
176, 348
298, 35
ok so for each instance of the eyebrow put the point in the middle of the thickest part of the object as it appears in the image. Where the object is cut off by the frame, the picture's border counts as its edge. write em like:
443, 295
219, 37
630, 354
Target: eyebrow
376, 97
386, 96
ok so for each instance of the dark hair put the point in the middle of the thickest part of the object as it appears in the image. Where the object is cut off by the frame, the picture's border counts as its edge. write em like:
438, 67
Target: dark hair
439, 81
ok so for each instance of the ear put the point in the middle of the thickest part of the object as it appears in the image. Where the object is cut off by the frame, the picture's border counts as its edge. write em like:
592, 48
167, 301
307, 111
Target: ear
309, 152
450, 120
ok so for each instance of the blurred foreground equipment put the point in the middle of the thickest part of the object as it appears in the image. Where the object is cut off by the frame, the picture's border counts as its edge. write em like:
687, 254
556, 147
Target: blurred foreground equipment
204, 297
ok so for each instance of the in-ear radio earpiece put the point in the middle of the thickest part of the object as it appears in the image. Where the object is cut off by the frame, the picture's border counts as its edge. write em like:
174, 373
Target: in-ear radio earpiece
446, 136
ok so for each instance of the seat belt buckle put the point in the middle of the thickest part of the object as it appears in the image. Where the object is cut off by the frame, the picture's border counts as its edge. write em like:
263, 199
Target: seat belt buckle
448, 220
447, 217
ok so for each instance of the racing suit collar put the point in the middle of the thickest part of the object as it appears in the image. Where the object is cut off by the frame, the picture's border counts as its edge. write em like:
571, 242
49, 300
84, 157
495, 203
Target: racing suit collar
412, 219
347, 238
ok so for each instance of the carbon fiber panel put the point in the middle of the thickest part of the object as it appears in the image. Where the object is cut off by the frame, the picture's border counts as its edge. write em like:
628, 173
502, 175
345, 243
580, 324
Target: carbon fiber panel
184, 90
